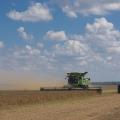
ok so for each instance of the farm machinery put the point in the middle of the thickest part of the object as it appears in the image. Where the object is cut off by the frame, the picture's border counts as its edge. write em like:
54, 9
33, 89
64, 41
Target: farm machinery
76, 81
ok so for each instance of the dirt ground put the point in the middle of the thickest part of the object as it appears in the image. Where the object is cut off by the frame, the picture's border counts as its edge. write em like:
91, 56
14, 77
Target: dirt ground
105, 107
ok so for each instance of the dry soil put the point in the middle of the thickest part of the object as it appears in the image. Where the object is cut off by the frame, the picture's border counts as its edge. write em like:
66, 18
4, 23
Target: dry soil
105, 107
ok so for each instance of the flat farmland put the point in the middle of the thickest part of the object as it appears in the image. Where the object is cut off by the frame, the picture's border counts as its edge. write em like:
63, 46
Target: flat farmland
36, 105
8, 98
109, 88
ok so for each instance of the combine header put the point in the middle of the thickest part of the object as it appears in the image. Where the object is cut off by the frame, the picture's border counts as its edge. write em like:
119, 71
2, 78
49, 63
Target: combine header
76, 81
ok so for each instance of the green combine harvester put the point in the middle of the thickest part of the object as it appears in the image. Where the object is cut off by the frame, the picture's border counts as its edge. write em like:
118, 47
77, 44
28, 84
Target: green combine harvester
76, 81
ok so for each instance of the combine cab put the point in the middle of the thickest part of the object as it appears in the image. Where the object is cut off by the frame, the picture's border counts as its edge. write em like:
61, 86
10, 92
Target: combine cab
78, 80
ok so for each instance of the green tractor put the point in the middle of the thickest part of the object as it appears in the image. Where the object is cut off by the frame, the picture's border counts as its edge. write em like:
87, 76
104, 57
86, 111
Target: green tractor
78, 80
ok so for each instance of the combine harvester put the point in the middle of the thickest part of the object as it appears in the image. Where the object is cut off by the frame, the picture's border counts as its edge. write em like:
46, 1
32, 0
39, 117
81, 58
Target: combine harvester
76, 82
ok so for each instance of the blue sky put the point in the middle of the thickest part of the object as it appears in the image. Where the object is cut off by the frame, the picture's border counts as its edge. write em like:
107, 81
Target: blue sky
55, 37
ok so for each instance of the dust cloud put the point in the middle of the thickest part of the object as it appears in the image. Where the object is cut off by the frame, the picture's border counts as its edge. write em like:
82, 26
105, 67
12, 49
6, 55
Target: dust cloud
11, 80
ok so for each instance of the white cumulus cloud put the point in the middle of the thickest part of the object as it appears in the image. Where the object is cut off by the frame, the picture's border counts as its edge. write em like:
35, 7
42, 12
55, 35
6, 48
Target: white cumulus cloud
23, 34
72, 47
100, 25
103, 36
100, 40
34, 13
98, 49
1, 44
32, 51
73, 8
69, 12
56, 35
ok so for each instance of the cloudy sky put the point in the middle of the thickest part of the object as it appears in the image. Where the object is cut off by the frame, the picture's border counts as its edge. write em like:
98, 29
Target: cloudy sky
52, 37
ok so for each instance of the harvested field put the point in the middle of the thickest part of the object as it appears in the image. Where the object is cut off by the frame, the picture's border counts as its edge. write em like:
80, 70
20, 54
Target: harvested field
75, 105
105, 107
33, 97
109, 88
